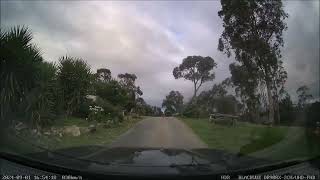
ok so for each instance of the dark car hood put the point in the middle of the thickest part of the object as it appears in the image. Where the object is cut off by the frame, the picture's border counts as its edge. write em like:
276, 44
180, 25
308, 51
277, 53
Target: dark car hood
147, 160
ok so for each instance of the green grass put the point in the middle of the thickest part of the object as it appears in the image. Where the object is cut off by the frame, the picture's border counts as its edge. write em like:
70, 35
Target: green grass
26, 142
277, 143
71, 121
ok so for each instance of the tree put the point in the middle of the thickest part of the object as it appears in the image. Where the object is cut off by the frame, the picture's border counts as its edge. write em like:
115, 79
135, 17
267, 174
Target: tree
20, 67
74, 78
303, 96
286, 109
112, 91
103, 74
218, 99
197, 69
280, 77
253, 31
141, 106
156, 111
127, 81
246, 88
173, 103
41, 100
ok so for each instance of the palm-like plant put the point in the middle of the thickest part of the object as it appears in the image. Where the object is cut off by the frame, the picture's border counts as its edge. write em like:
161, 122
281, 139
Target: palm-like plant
20, 62
40, 101
74, 77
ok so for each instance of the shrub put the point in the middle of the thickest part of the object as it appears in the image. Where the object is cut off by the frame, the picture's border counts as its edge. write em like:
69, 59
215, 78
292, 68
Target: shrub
110, 110
84, 109
96, 113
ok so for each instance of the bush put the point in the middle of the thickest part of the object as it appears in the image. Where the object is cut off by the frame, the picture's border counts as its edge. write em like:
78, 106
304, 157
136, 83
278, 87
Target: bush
110, 111
84, 109
96, 113
194, 110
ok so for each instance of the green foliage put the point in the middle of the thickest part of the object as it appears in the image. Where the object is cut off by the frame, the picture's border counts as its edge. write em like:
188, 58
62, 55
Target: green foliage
127, 81
303, 96
173, 103
192, 109
286, 110
103, 74
253, 31
74, 78
40, 102
84, 110
214, 100
97, 115
246, 87
113, 92
20, 65
197, 69
37, 92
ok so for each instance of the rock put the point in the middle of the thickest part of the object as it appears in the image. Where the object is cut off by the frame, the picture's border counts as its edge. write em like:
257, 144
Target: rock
72, 130
20, 126
92, 128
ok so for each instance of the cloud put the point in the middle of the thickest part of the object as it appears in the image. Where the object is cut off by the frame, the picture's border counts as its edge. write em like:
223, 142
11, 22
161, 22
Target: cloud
151, 38
301, 51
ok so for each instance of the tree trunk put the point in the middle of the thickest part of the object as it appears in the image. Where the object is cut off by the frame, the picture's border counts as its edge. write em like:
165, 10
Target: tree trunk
270, 104
195, 91
278, 112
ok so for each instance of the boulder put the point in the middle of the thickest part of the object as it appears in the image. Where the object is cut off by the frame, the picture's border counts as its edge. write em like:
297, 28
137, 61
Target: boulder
72, 130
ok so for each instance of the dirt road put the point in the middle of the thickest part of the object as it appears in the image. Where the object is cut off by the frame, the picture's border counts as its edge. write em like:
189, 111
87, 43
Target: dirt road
160, 132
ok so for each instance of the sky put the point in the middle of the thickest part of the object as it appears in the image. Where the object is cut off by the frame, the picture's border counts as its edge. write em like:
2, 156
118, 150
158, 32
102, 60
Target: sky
150, 38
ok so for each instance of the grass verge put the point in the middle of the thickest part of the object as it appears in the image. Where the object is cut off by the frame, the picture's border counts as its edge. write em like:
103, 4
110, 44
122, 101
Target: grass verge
276, 143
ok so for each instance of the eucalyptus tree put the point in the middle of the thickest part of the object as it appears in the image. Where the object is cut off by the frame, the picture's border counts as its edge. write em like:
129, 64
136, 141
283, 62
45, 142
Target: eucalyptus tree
197, 69
173, 102
253, 31
303, 96
246, 87
127, 81
103, 74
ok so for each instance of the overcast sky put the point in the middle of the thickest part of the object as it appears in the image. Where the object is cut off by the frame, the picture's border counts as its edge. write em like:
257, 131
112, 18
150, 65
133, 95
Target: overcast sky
150, 38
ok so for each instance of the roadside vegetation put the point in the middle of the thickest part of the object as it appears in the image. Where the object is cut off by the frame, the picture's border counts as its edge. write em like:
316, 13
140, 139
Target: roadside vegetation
276, 143
76, 105
66, 101
255, 93
28, 142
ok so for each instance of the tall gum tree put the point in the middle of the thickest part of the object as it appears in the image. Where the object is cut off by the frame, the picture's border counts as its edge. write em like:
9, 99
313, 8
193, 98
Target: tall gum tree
253, 31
